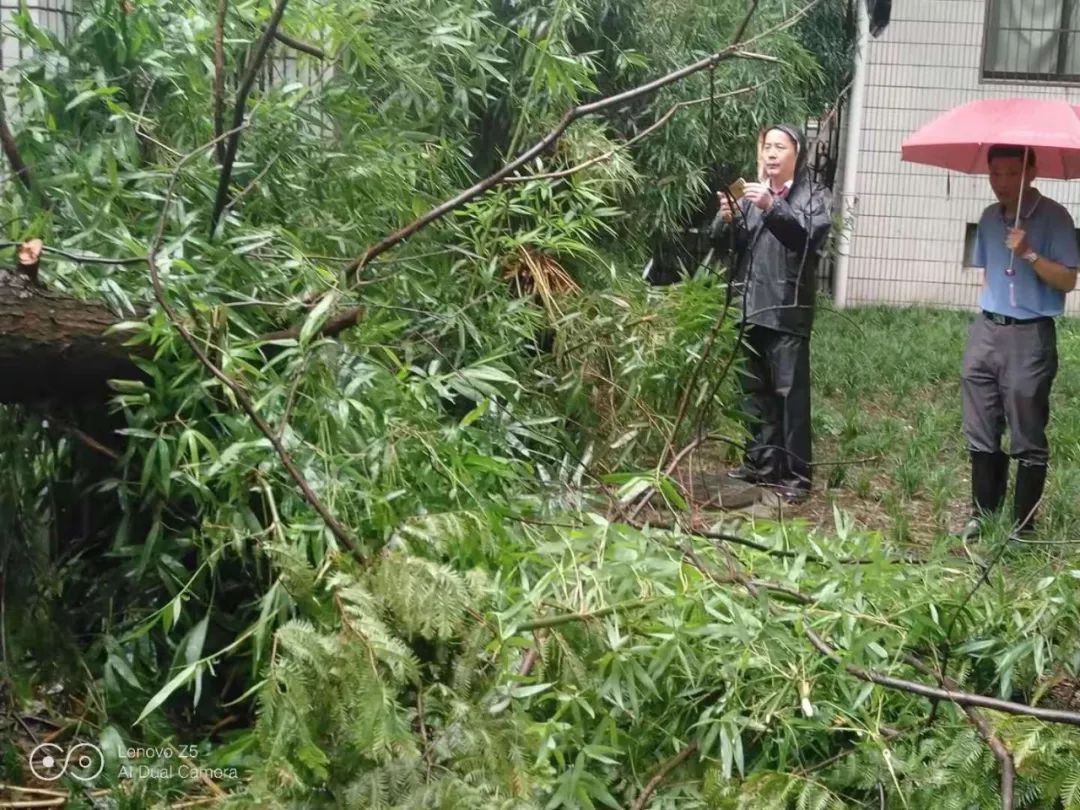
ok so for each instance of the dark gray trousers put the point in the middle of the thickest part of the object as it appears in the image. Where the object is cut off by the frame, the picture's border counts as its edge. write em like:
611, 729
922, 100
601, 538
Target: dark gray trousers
1008, 372
777, 389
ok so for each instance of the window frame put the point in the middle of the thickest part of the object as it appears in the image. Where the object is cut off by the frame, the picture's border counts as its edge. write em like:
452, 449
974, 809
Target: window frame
1057, 78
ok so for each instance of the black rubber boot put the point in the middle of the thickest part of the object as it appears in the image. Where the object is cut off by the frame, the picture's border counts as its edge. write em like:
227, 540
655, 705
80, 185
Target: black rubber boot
1030, 482
989, 481
748, 473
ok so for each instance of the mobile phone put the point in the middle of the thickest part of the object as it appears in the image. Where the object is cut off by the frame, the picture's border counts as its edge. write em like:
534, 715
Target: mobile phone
737, 188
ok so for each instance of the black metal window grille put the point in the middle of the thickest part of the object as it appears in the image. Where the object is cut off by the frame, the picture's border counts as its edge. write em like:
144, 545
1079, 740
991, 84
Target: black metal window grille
1032, 41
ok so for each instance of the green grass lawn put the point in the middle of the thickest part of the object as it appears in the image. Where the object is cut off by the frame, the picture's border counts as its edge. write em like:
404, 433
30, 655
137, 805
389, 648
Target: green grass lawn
887, 423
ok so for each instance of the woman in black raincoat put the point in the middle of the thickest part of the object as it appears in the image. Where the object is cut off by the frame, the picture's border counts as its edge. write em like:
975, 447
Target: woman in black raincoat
778, 228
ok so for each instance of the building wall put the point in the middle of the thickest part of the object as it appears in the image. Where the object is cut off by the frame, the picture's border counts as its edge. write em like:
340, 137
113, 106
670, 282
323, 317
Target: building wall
908, 239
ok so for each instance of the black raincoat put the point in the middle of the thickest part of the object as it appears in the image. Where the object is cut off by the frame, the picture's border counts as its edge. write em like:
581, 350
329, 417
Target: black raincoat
777, 252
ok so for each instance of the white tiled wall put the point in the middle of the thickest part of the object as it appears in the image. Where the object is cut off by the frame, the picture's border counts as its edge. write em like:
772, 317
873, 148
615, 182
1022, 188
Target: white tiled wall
52, 15
908, 239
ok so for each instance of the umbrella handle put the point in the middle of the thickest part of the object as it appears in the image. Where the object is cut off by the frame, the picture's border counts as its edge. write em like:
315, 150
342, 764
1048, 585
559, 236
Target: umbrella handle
1011, 271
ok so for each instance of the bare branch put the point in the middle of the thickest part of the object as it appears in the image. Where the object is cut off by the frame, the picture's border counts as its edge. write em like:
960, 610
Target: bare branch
653, 127
91, 442
11, 151
244, 191
219, 79
982, 726
734, 539
952, 695
663, 773
548, 622
745, 23
346, 319
763, 57
332, 523
300, 45
81, 258
246, 84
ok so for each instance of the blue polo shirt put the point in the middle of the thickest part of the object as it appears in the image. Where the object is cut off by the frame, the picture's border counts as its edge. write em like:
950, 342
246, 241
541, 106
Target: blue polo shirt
1050, 232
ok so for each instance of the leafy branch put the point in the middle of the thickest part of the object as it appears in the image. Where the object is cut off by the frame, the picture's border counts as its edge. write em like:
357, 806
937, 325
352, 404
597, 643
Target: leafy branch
339, 531
946, 693
81, 258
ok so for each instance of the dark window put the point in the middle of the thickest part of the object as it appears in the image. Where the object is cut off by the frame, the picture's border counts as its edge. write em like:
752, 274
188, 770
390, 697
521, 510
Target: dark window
1032, 40
969, 244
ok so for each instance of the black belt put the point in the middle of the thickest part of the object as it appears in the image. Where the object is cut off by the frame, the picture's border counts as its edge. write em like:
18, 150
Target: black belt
1005, 320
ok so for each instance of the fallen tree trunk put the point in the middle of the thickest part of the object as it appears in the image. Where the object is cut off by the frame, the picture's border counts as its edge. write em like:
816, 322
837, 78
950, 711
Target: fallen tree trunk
53, 346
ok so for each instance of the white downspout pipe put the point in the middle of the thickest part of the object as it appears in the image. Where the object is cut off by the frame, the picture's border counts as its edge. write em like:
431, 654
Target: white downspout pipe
850, 179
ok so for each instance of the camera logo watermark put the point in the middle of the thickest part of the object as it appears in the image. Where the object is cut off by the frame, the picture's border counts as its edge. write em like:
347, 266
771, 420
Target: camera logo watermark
49, 762
86, 761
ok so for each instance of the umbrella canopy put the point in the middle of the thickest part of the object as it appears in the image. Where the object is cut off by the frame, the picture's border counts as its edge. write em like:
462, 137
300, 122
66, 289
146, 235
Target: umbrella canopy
960, 138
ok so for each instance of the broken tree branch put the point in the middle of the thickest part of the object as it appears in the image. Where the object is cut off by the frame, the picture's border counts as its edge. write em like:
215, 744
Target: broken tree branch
349, 317
339, 531
29, 256
54, 347
242, 92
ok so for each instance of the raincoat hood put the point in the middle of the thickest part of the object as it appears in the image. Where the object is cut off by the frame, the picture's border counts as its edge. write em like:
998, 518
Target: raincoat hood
799, 138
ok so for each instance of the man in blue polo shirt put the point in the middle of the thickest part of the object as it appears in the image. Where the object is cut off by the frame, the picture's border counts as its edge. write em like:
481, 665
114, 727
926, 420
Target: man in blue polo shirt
1011, 356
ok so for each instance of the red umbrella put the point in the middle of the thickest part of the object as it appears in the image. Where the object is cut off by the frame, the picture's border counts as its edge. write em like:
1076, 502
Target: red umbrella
961, 138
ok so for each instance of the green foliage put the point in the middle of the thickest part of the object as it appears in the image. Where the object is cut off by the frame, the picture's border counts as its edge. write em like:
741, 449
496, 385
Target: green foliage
507, 639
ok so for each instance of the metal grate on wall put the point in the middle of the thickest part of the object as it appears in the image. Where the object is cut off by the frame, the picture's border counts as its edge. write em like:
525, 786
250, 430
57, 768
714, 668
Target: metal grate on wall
55, 16
283, 66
